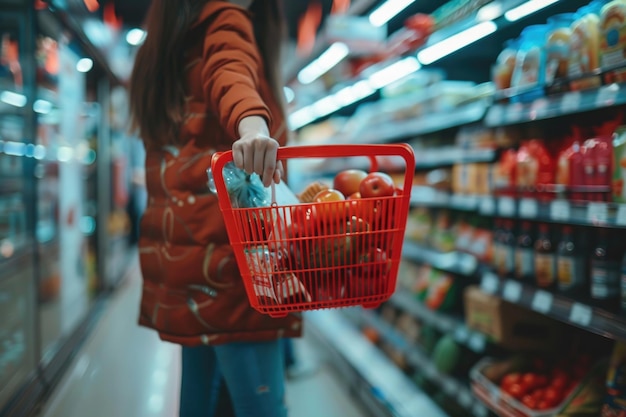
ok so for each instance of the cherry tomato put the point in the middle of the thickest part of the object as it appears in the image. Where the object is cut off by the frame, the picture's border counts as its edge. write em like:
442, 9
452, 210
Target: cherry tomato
553, 396
510, 379
529, 380
517, 391
538, 394
529, 402
543, 405
559, 382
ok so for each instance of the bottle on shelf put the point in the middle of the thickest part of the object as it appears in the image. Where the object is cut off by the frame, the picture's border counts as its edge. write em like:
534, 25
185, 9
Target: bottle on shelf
525, 254
571, 264
623, 285
507, 245
605, 271
545, 260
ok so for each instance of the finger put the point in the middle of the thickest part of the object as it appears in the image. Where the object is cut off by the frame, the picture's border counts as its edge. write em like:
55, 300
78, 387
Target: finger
269, 165
259, 156
238, 156
279, 173
248, 159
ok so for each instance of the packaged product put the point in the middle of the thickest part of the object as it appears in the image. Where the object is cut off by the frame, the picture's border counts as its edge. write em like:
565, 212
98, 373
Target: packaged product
535, 165
619, 165
557, 46
530, 64
502, 71
503, 176
584, 47
615, 403
613, 34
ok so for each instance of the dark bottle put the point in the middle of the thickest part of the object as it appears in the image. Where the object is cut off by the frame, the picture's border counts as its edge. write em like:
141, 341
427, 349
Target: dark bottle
571, 264
508, 243
605, 272
545, 260
525, 254
623, 285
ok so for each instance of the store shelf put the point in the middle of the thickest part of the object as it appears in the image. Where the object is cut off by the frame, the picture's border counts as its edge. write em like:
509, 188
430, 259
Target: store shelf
431, 158
373, 376
556, 211
449, 385
463, 335
425, 124
453, 262
556, 106
556, 306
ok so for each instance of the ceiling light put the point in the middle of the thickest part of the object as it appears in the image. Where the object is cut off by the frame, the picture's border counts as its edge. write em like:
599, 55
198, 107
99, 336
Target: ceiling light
13, 99
42, 106
331, 57
387, 11
135, 36
527, 8
84, 65
452, 44
394, 72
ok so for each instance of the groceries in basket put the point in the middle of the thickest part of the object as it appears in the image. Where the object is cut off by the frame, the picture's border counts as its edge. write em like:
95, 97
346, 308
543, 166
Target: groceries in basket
334, 244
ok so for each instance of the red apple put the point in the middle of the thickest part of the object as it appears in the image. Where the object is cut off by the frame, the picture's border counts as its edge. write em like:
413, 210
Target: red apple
377, 185
348, 181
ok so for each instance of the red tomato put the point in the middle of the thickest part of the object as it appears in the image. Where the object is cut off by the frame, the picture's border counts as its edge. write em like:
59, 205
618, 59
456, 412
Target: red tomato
530, 380
377, 185
559, 382
529, 402
347, 182
517, 391
553, 396
543, 405
510, 379
538, 394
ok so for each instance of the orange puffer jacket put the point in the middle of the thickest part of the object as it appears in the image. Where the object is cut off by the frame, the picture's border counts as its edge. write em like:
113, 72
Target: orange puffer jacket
192, 290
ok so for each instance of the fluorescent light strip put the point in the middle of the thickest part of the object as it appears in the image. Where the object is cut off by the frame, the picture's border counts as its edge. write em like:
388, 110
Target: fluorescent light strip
331, 57
387, 11
452, 44
13, 99
394, 72
527, 8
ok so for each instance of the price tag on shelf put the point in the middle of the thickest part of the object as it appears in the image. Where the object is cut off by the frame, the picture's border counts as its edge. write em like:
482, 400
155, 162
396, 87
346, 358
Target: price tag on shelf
597, 213
560, 210
581, 314
512, 291
539, 109
514, 112
506, 207
528, 208
620, 218
487, 206
571, 102
542, 302
490, 283
479, 410
461, 334
450, 386
465, 398
477, 342
607, 95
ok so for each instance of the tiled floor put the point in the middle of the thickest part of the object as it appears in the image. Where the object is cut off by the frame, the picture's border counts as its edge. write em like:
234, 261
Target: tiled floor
126, 371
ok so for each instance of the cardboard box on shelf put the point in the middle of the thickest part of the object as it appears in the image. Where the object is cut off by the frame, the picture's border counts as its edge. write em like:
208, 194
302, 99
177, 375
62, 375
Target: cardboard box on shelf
508, 325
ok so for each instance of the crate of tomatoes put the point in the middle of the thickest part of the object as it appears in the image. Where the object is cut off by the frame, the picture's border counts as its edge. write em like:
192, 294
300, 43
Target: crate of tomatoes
328, 247
529, 386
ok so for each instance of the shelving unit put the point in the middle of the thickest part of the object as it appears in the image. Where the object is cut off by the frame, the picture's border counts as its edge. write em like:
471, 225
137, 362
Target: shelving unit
455, 262
561, 308
368, 372
417, 358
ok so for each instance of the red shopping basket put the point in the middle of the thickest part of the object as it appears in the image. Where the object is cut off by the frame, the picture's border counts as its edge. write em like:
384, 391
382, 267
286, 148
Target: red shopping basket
322, 255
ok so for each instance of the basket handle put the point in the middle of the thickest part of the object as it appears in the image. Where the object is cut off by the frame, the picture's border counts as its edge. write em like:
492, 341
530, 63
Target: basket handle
220, 159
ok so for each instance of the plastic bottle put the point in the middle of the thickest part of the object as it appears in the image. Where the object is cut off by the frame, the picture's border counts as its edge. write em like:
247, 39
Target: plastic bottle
557, 46
525, 254
605, 272
529, 73
576, 168
545, 260
571, 264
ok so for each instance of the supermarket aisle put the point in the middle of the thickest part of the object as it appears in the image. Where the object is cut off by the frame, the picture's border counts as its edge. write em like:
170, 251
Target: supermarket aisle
126, 371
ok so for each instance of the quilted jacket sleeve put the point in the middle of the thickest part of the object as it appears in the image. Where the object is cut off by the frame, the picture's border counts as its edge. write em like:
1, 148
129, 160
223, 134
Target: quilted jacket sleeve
231, 68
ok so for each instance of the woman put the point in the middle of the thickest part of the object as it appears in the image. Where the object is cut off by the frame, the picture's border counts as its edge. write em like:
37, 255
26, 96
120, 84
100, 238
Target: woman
206, 80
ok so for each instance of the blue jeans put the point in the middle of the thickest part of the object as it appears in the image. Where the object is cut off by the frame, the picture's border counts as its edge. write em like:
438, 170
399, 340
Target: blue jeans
253, 373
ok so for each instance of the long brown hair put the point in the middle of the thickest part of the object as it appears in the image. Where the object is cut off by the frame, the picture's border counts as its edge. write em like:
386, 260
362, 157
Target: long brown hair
157, 93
